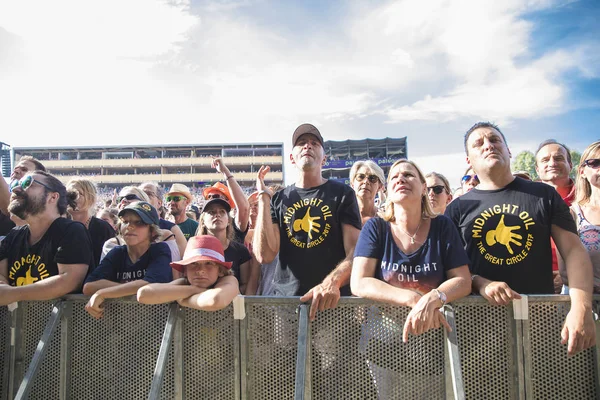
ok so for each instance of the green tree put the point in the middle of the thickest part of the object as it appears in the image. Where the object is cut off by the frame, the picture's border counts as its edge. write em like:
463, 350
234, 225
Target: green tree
575, 158
525, 161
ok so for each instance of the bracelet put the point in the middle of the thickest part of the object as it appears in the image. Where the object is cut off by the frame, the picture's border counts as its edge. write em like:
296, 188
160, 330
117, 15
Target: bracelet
473, 277
228, 177
265, 192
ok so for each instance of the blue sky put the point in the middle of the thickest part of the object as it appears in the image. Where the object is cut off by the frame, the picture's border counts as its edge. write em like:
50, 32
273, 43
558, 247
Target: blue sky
139, 71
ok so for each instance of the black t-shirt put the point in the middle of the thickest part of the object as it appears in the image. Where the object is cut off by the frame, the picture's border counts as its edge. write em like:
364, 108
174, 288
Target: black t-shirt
65, 242
506, 232
238, 235
5, 224
100, 231
238, 254
311, 240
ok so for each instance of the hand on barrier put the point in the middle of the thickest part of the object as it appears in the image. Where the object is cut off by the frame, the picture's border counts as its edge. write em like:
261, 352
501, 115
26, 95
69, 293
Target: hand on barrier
498, 293
424, 316
323, 296
579, 330
95, 306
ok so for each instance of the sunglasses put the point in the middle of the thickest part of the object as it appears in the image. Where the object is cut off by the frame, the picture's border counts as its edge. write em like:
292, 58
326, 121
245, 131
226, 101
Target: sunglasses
437, 189
215, 196
176, 199
371, 178
135, 223
26, 182
467, 178
128, 197
592, 163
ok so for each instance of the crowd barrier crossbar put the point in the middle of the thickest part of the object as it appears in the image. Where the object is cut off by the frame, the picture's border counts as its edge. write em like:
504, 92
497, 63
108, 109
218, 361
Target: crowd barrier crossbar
263, 356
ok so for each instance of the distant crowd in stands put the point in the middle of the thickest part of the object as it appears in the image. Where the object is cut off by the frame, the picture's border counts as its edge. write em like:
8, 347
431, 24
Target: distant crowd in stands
405, 240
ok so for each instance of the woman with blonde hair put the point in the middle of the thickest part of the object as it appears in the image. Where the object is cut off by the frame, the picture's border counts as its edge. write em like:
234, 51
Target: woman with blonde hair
367, 178
84, 194
438, 191
411, 257
586, 211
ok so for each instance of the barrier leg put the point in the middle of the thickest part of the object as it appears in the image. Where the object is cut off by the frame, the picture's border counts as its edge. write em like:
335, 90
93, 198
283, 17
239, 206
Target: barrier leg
40, 352
302, 384
454, 355
163, 353
66, 343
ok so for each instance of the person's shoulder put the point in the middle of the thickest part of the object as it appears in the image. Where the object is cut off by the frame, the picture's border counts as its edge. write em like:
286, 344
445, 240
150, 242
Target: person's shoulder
160, 247
66, 225
101, 224
530, 187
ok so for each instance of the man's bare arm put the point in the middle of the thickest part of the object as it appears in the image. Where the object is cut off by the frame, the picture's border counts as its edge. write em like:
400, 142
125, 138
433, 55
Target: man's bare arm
4, 197
265, 242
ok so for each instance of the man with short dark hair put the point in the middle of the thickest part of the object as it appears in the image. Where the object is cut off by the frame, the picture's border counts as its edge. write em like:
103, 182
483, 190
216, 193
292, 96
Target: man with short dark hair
553, 165
506, 225
50, 255
313, 225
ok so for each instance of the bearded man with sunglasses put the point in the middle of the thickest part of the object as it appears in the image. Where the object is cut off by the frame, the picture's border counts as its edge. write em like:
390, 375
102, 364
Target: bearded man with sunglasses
50, 256
178, 198
506, 224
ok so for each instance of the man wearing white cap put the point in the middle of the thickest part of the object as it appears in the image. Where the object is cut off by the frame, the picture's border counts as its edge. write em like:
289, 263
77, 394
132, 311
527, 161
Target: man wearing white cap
313, 225
177, 200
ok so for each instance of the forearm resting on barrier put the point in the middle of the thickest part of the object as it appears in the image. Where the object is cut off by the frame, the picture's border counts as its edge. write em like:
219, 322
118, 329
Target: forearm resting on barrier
158, 293
122, 289
216, 298
91, 288
67, 281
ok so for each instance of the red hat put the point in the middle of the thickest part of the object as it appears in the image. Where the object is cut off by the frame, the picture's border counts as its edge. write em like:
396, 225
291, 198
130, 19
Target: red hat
220, 189
200, 248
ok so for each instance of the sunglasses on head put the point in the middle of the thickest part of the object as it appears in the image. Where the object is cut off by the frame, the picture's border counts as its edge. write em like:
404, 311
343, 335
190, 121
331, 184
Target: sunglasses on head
371, 178
128, 197
592, 163
467, 178
176, 199
437, 189
26, 182
215, 196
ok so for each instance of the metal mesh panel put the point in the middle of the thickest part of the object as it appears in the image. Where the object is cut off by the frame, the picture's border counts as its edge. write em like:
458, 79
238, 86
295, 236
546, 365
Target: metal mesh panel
209, 365
35, 317
360, 349
4, 348
486, 342
272, 345
114, 357
553, 374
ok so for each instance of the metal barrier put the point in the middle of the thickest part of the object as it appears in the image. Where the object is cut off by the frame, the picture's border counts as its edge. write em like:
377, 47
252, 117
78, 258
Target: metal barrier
55, 350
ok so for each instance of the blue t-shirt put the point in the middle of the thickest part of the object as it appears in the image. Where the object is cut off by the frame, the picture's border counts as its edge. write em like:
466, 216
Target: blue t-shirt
421, 271
153, 266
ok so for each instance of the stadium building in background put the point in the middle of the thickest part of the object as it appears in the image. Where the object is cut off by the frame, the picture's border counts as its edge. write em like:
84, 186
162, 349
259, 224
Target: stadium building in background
117, 166
341, 155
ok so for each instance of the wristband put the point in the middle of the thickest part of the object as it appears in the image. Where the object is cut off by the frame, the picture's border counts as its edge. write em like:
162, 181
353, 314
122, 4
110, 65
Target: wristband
228, 177
473, 277
265, 192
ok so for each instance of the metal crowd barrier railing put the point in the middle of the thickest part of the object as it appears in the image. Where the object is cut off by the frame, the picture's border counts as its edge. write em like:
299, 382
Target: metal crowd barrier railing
266, 348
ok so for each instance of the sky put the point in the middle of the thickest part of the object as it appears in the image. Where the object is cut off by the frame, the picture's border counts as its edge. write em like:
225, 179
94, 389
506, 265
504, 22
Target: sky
125, 72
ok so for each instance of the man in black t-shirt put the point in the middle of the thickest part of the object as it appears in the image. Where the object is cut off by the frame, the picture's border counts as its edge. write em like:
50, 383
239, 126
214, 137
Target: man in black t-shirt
506, 224
313, 225
50, 256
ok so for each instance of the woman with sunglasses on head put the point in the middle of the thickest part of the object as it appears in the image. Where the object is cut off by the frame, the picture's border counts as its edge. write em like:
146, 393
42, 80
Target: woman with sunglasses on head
438, 192
411, 257
216, 221
83, 193
586, 212
469, 181
138, 262
127, 196
366, 178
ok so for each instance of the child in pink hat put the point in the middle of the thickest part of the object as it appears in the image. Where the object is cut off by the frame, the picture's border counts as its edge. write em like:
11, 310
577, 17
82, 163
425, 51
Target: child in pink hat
208, 284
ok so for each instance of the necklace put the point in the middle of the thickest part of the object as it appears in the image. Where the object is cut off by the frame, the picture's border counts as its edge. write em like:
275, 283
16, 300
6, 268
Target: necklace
412, 237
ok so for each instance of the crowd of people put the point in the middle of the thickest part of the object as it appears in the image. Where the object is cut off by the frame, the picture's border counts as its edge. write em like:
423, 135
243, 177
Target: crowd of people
404, 240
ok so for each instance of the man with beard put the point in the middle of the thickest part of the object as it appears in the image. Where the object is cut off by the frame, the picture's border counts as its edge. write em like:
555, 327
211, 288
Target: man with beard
25, 164
50, 256
178, 198
506, 224
312, 224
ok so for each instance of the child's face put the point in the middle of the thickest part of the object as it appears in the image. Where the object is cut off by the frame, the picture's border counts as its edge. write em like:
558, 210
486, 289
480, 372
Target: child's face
202, 274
